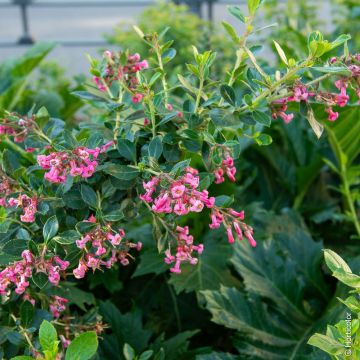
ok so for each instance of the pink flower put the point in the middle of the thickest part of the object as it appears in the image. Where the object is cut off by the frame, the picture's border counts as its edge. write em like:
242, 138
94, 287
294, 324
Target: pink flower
177, 191
196, 205
248, 235
332, 114
237, 230
219, 178
230, 235
342, 98
137, 98
180, 209
80, 271
62, 263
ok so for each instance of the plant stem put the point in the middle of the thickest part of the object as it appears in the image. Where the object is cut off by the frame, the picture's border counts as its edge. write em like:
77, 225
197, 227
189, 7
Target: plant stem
152, 116
118, 114
349, 199
198, 97
276, 84
240, 52
163, 75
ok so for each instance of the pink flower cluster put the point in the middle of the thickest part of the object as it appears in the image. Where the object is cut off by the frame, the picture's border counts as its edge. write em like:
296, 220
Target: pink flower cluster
57, 305
29, 205
21, 271
184, 250
278, 108
301, 93
78, 162
6, 188
180, 196
116, 71
227, 166
232, 219
103, 247
16, 127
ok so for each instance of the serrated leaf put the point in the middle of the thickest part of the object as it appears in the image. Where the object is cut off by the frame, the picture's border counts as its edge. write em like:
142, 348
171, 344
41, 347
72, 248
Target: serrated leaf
211, 270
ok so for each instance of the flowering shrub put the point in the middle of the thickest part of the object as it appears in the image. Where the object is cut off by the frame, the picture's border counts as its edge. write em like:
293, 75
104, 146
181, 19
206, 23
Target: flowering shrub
69, 196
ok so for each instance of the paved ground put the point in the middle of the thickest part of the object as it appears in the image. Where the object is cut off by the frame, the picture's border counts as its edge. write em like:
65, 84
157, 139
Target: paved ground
70, 24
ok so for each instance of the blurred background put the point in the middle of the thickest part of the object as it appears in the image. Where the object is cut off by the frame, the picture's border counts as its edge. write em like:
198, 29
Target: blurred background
80, 26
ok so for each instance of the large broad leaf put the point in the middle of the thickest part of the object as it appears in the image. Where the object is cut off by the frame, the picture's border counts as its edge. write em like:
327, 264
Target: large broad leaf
211, 270
14, 74
127, 328
344, 134
285, 299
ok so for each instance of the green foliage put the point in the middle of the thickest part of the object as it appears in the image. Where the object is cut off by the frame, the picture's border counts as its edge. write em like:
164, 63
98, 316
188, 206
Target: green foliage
342, 340
282, 280
186, 109
82, 347
185, 30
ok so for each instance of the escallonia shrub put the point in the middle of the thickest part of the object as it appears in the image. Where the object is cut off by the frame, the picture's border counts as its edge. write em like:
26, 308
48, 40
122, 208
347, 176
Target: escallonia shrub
152, 151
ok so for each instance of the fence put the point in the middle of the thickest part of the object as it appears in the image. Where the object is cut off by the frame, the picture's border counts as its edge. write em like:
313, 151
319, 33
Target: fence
197, 6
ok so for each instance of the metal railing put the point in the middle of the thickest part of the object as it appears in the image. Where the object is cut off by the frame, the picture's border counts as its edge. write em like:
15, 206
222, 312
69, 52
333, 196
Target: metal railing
27, 39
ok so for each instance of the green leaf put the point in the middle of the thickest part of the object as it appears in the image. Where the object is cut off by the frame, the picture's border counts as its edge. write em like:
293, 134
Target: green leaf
129, 352
127, 328
262, 118
347, 278
121, 172
231, 31
88, 195
48, 337
22, 357
127, 149
217, 356
253, 5
168, 55
327, 344
40, 279
14, 75
263, 140
335, 262
340, 40
83, 347
85, 95
228, 94
339, 70
155, 147
281, 52
236, 12
26, 313
146, 355
51, 228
